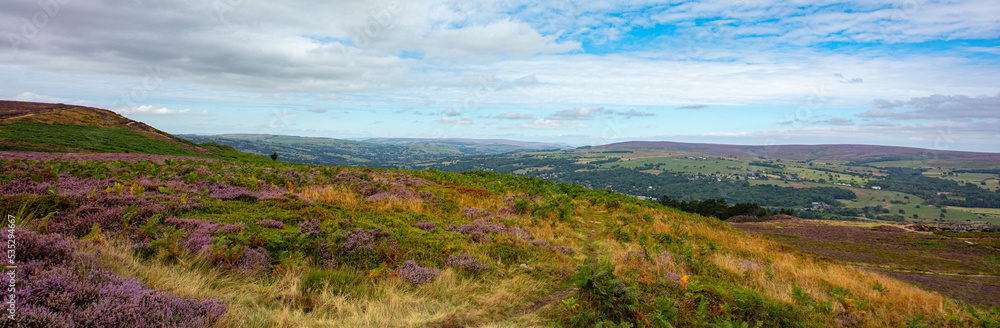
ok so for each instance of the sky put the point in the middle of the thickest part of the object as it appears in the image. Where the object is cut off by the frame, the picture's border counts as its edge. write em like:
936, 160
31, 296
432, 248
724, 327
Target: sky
759, 72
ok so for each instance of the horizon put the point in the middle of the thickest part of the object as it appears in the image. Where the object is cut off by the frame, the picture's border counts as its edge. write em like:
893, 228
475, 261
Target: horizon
757, 73
570, 146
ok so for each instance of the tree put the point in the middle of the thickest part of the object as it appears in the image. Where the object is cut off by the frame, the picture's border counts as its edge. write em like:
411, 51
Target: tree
274, 156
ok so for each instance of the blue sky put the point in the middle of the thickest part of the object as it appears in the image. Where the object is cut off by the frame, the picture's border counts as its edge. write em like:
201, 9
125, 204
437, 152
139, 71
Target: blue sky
911, 73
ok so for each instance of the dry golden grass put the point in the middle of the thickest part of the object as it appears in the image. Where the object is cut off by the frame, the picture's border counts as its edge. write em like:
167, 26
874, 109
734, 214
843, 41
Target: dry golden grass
333, 194
276, 300
816, 276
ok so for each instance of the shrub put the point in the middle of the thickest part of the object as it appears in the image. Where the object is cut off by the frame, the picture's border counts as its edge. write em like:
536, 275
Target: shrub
52, 249
428, 226
311, 228
253, 260
612, 299
416, 274
78, 292
466, 262
272, 224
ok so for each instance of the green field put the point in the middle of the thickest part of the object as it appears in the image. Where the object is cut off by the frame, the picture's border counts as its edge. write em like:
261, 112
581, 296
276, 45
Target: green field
682, 164
805, 173
944, 164
992, 181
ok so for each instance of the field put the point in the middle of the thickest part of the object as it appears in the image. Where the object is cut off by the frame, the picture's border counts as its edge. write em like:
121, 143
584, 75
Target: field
983, 180
948, 265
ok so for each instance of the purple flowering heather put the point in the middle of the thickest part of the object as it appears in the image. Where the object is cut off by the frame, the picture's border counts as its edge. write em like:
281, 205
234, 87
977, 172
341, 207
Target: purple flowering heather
565, 250
357, 240
199, 236
428, 226
542, 243
478, 213
466, 262
480, 237
79, 292
416, 274
509, 207
232, 228
311, 228
272, 224
25, 186
52, 249
253, 260
225, 192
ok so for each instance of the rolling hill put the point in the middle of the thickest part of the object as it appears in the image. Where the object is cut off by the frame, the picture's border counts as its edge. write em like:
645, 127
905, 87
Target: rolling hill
380, 152
832, 153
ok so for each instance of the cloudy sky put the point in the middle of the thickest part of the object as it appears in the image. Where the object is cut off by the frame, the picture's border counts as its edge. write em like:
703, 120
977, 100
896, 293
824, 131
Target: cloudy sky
907, 72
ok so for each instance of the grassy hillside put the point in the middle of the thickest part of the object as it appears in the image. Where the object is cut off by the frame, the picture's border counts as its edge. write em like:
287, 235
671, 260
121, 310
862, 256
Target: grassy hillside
237, 244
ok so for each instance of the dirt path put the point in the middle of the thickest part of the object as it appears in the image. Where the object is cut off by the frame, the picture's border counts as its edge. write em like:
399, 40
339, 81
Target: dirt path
542, 303
921, 272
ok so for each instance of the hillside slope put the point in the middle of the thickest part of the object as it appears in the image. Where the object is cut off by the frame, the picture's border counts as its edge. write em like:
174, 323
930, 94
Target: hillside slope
836, 153
273, 244
138, 240
60, 127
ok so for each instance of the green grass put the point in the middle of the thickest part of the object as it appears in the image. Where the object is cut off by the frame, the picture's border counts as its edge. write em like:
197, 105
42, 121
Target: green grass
682, 164
90, 138
973, 178
805, 173
23, 148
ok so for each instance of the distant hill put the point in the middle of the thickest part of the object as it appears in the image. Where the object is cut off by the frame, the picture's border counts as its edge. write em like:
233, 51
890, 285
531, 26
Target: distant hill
485, 145
380, 152
852, 153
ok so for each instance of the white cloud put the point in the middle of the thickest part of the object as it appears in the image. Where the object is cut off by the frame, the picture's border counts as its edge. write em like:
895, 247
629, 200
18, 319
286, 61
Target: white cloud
582, 113
451, 112
503, 38
514, 116
317, 110
546, 124
34, 97
633, 113
449, 120
837, 121
937, 107
156, 110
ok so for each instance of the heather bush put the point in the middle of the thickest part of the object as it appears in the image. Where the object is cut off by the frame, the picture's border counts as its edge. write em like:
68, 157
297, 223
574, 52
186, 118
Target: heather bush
466, 262
480, 237
62, 289
311, 228
428, 226
359, 239
272, 224
253, 260
416, 274
51, 249
224, 192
